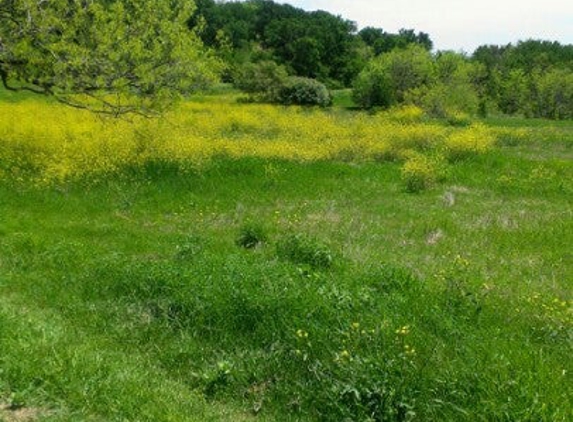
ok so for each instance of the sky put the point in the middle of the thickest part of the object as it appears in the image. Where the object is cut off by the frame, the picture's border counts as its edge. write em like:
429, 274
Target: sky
456, 24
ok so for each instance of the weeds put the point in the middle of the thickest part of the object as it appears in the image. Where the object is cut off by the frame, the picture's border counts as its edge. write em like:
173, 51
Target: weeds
420, 172
125, 299
251, 235
303, 249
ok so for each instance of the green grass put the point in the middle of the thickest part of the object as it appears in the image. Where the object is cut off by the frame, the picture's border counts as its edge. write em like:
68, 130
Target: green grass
135, 299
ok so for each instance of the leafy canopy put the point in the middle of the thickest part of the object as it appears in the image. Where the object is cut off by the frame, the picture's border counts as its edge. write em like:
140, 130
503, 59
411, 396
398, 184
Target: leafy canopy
105, 55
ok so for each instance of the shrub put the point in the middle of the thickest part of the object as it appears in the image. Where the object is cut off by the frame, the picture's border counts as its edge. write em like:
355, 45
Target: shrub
263, 80
420, 172
387, 79
475, 140
555, 95
304, 91
445, 100
407, 114
251, 235
373, 88
458, 118
302, 249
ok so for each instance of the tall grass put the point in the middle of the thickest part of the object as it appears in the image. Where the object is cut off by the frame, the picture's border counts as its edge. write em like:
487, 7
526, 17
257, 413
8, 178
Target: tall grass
230, 264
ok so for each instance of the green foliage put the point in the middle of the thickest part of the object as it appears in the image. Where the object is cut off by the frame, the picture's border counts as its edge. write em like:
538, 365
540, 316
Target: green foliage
383, 42
310, 44
388, 78
443, 100
305, 250
531, 78
453, 90
373, 88
555, 95
268, 82
315, 45
304, 91
263, 80
119, 56
514, 92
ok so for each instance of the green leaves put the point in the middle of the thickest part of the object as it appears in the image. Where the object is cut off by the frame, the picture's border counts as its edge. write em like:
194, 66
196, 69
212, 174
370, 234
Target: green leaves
112, 56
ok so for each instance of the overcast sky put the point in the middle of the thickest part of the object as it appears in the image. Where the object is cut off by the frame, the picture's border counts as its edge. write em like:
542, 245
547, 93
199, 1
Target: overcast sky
457, 24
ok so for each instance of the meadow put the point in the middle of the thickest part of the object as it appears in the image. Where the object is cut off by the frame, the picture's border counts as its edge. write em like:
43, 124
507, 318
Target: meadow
242, 262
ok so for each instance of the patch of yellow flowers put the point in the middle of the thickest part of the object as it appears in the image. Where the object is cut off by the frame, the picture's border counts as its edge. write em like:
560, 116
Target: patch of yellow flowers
50, 143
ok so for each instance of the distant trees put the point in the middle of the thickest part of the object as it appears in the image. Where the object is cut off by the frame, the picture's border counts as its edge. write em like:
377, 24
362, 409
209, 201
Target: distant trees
533, 78
112, 56
554, 95
309, 44
383, 42
122, 56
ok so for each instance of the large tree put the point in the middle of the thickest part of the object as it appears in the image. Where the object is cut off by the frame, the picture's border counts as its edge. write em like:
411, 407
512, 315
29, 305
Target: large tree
105, 55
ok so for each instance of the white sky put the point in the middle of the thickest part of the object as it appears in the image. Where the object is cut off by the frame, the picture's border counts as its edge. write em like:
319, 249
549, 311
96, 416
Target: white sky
459, 25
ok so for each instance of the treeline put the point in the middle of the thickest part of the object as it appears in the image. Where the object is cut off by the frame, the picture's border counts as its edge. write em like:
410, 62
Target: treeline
522, 79
265, 45
533, 78
315, 45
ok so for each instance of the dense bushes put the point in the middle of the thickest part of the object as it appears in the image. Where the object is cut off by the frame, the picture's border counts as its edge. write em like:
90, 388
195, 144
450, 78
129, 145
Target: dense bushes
388, 78
448, 84
554, 98
268, 82
441, 85
304, 91
263, 80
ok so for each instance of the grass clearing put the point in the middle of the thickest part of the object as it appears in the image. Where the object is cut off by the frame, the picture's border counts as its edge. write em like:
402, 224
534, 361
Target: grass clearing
127, 293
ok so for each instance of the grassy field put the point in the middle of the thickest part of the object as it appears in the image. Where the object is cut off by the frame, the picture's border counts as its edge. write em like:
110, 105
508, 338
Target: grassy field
241, 262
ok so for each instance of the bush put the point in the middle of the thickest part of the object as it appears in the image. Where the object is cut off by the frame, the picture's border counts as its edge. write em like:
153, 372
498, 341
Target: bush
251, 235
373, 88
555, 95
263, 80
302, 249
304, 91
407, 114
387, 79
420, 172
445, 100
458, 118
475, 140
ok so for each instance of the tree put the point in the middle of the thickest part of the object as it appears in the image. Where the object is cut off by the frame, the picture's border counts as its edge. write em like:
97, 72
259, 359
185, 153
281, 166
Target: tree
453, 89
383, 42
113, 56
387, 79
554, 95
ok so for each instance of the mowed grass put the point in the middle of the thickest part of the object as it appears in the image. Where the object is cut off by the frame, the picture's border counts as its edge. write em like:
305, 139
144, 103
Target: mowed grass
272, 289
